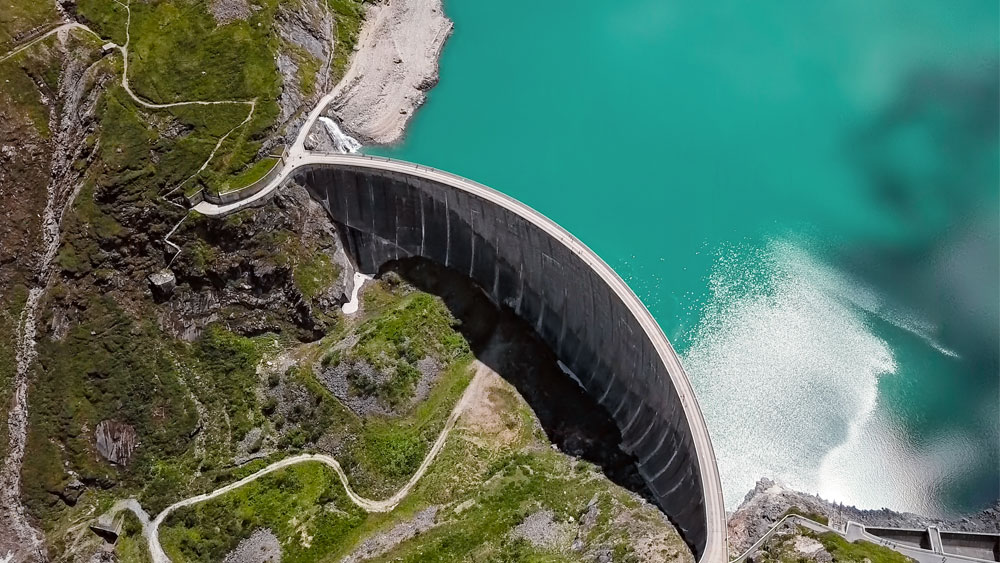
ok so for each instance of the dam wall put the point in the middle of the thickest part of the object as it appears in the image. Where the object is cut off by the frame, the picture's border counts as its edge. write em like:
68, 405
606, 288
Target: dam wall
575, 302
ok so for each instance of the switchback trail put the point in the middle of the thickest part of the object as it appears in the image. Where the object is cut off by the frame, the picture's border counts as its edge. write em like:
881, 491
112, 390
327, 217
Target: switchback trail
151, 529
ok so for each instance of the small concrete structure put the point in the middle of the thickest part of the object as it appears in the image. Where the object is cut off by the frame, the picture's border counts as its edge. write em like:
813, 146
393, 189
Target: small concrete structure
919, 539
971, 544
935, 539
108, 528
913, 543
930, 545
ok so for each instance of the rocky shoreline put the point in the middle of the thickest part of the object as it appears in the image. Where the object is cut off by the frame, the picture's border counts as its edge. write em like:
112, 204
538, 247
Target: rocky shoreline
768, 502
394, 65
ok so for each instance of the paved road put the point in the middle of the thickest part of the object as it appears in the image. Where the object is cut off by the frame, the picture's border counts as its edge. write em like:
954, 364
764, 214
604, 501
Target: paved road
715, 550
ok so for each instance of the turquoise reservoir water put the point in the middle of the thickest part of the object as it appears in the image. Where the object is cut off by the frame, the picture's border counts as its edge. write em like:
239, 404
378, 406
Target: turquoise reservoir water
805, 196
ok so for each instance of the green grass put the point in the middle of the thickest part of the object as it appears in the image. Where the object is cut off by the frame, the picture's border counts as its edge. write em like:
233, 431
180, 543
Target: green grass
308, 67
19, 17
390, 449
107, 367
814, 516
415, 327
19, 89
860, 551
349, 15
230, 362
112, 367
255, 172
504, 482
178, 54
132, 546
780, 549
106, 17
214, 120
115, 362
304, 506
499, 484
315, 274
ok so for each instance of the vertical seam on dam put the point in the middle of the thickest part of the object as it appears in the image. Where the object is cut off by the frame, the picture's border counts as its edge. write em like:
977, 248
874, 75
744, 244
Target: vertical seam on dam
611, 341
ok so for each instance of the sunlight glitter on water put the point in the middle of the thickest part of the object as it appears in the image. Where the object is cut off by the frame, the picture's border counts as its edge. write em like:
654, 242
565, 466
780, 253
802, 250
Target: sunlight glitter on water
784, 369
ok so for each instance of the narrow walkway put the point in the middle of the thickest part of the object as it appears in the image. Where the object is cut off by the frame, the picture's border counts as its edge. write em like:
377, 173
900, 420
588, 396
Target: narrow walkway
855, 532
151, 530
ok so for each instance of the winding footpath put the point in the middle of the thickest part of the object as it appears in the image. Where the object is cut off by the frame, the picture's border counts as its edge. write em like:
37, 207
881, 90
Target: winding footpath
151, 528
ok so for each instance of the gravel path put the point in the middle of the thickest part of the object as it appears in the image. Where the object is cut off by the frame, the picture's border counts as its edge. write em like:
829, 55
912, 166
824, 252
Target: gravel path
151, 529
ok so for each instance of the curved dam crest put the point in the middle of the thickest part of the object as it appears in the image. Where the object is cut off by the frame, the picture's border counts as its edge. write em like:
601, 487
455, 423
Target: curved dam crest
388, 210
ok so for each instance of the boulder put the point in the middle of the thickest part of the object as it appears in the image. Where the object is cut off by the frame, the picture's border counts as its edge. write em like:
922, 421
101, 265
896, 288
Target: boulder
163, 284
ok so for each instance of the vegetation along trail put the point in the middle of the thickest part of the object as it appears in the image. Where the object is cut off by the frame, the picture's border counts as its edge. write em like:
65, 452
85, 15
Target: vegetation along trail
151, 528
25, 347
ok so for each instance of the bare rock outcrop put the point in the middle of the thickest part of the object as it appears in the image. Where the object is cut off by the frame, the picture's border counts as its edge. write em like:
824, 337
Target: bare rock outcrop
238, 271
163, 284
395, 63
261, 547
384, 541
71, 119
228, 11
116, 441
306, 28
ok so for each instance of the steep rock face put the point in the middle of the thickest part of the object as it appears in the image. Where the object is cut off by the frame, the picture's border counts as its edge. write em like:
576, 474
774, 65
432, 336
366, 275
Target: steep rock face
768, 502
256, 271
82, 169
24, 159
116, 441
67, 78
306, 28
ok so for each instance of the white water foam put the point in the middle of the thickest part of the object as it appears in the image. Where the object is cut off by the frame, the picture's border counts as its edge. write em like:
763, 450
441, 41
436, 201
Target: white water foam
785, 368
565, 369
351, 306
342, 142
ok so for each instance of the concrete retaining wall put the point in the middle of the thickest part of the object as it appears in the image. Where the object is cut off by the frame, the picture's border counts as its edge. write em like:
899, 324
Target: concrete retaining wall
590, 325
980, 546
246, 191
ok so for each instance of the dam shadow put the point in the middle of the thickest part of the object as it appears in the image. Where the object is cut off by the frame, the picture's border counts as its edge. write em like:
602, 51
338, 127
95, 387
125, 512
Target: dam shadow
569, 416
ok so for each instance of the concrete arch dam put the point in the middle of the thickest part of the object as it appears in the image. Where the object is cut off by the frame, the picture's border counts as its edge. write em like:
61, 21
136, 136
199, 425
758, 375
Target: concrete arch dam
389, 210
